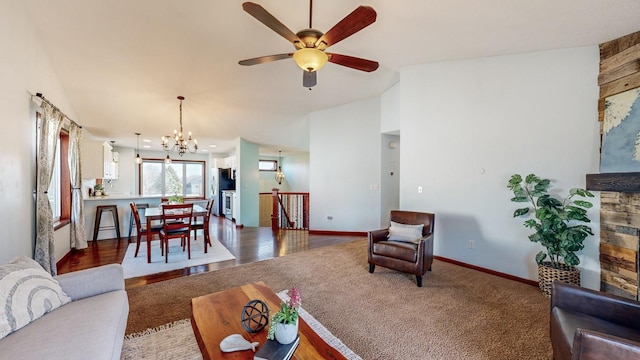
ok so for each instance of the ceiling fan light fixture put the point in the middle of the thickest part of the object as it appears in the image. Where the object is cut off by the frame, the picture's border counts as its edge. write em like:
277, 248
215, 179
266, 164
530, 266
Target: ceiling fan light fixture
310, 59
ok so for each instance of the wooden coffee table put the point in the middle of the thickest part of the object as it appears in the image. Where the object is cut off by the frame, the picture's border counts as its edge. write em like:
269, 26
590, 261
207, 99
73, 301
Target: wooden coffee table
218, 315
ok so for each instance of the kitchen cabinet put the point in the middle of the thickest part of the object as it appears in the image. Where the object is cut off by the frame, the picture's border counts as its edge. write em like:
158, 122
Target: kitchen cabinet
226, 163
92, 159
236, 206
109, 162
98, 160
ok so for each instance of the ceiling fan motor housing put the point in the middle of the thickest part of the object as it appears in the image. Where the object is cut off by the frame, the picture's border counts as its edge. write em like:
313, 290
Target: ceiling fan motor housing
309, 37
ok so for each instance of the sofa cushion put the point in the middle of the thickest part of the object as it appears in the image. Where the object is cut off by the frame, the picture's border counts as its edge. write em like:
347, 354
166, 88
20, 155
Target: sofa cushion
398, 250
91, 328
565, 322
27, 292
405, 232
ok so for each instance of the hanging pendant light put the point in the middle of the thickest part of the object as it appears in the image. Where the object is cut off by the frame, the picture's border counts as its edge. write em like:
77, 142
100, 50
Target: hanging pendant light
279, 174
180, 143
138, 158
167, 160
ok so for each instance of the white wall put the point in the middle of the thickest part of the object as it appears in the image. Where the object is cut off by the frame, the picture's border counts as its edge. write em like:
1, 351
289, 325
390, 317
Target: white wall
247, 183
24, 69
344, 166
468, 125
296, 170
389, 177
390, 110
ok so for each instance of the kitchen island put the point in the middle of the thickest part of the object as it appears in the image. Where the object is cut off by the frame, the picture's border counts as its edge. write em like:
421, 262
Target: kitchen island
124, 213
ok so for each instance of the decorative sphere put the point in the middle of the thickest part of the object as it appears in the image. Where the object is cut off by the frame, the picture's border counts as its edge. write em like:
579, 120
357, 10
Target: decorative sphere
255, 316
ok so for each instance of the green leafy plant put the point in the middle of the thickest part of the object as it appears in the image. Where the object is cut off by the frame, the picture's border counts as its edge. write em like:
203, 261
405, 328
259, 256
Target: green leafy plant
176, 199
558, 223
288, 313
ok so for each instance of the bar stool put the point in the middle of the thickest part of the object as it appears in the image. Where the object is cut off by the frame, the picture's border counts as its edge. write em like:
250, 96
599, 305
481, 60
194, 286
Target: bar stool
139, 206
114, 212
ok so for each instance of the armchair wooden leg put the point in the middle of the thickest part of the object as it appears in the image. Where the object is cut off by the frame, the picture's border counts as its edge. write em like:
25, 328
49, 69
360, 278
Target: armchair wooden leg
419, 280
372, 267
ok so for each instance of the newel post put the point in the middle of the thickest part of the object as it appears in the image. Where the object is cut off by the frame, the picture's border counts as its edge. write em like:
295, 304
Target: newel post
274, 211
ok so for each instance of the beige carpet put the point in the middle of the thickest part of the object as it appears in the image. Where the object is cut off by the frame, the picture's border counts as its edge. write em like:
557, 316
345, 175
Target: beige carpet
458, 313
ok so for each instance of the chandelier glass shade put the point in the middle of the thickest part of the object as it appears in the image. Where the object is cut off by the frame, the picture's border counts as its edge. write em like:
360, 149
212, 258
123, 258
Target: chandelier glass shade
310, 59
279, 174
178, 142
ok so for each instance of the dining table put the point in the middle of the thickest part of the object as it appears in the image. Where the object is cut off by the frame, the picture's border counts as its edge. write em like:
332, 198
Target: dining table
155, 214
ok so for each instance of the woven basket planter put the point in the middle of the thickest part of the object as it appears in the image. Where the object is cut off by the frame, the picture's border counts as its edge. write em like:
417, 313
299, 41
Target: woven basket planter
548, 274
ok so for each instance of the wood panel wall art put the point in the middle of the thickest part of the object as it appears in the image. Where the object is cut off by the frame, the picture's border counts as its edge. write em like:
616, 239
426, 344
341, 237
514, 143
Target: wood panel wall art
619, 211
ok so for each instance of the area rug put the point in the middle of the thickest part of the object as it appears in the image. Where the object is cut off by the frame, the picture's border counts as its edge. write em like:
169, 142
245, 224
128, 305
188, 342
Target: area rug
138, 266
176, 341
459, 313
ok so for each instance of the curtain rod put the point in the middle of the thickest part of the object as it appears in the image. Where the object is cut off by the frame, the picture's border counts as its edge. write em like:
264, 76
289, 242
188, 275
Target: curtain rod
42, 98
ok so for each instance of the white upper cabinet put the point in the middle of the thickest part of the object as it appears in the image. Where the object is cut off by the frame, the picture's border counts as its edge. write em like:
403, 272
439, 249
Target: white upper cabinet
110, 162
99, 161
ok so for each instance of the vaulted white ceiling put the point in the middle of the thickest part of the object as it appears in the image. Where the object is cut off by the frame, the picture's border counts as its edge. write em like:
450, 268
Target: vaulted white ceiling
122, 63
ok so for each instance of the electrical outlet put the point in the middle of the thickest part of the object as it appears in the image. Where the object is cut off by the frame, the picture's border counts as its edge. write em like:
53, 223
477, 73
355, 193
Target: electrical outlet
419, 189
472, 244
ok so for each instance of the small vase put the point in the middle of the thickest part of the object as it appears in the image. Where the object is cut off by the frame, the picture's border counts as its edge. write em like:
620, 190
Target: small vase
286, 333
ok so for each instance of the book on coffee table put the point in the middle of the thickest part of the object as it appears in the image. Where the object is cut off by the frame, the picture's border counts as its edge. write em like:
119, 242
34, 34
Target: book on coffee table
273, 350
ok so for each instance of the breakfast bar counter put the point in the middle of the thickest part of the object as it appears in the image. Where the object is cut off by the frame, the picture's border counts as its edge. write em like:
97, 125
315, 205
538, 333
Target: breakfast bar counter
124, 212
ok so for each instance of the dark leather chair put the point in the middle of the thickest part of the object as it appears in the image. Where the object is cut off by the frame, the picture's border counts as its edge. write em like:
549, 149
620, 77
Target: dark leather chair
409, 257
588, 324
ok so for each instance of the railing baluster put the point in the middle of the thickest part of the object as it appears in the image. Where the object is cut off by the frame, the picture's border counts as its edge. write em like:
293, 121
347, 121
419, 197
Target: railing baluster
289, 211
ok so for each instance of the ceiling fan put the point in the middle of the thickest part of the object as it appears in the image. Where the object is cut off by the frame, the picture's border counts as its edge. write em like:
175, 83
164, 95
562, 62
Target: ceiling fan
310, 43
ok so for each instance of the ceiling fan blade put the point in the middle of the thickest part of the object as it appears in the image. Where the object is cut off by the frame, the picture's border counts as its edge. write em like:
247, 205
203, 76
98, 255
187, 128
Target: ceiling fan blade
309, 78
270, 21
353, 62
265, 59
359, 19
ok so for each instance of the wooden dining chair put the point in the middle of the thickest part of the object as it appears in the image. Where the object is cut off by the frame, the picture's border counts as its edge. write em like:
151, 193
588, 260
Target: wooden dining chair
142, 229
204, 226
176, 223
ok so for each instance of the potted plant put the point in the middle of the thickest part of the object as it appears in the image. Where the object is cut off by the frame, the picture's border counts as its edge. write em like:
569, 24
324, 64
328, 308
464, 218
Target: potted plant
283, 326
558, 224
98, 190
176, 199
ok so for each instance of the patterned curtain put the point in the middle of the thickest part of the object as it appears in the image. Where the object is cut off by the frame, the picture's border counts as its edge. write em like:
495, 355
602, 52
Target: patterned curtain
48, 134
78, 238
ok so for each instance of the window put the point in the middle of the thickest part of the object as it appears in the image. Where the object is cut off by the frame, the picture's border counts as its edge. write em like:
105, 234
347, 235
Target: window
181, 177
59, 191
267, 165
54, 188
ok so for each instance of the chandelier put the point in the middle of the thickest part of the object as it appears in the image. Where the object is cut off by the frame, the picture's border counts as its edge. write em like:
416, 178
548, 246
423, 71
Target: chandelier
279, 173
178, 142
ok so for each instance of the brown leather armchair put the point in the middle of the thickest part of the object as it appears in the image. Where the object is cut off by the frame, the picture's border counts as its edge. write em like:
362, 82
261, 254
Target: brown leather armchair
413, 258
587, 324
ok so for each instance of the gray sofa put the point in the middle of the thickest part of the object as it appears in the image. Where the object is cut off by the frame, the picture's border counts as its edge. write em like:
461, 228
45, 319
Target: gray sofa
91, 326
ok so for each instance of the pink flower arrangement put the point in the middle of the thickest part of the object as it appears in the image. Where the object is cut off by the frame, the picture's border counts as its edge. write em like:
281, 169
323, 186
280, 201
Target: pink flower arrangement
288, 313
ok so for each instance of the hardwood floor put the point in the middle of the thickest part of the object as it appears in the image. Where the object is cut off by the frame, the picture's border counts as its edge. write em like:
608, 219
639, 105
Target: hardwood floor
246, 244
